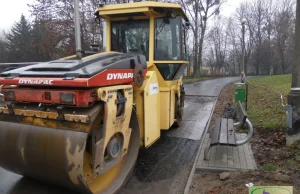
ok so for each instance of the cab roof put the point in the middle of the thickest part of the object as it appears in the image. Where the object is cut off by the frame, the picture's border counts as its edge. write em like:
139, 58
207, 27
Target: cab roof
142, 9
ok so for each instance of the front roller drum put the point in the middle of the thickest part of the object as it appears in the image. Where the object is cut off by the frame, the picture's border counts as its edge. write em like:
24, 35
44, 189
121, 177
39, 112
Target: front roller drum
60, 157
46, 154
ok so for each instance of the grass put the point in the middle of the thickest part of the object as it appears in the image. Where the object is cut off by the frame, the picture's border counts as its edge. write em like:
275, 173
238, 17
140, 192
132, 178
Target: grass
268, 116
264, 103
295, 146
269, 167
187, 80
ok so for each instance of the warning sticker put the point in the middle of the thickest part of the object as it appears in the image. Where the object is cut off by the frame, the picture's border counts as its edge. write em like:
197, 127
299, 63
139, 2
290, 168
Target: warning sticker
154, 88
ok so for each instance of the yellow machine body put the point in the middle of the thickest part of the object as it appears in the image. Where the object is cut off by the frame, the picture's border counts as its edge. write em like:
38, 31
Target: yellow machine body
154, 113
94, 149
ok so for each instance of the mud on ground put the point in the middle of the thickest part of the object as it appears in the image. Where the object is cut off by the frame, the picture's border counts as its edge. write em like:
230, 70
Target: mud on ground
277, 164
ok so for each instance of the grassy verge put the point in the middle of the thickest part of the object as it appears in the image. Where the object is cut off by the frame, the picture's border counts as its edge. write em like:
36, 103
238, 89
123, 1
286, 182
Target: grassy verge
187, 80
264, 103
269, 119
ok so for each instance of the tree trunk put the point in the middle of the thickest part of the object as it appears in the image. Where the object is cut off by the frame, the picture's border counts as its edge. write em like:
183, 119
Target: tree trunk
270, 65
282, 60
201, 46
200, 56
196, 65
257, 61
296, 58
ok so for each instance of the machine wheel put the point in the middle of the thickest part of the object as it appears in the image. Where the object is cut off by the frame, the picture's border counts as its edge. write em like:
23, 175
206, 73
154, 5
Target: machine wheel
179, 106
178, 116
113, 180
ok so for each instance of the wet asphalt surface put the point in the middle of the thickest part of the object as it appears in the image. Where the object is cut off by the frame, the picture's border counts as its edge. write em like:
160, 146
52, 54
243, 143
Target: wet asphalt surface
163, 168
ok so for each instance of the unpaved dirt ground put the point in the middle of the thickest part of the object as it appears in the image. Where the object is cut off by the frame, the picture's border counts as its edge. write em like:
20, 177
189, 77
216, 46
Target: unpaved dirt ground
278, 164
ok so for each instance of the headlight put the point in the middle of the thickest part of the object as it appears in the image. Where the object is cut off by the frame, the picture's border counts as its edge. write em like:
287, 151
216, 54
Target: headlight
10, 95
67, 98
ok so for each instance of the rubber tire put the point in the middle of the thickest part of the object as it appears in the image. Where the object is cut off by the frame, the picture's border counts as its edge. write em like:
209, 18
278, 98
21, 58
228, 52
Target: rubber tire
179, 119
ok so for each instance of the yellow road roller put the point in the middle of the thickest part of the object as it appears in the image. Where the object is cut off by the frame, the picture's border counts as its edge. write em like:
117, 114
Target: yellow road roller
79, 121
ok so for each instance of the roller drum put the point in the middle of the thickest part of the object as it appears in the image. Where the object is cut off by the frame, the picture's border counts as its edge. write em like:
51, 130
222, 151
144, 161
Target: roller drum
51, 155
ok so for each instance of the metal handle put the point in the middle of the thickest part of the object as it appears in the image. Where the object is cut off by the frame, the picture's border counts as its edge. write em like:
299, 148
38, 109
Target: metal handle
249, 135
236, 124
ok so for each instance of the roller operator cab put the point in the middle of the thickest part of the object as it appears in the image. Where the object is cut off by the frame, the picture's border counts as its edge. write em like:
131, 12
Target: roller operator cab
157, 31
79, 122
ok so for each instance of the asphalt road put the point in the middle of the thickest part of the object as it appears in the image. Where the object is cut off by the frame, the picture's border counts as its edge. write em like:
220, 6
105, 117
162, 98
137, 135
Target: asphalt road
209, 87
164, 168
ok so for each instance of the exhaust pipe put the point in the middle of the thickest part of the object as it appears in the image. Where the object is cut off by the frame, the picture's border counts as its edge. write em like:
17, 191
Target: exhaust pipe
77, 30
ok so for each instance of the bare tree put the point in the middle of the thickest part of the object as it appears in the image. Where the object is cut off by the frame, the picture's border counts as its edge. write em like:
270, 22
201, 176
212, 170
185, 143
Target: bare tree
3, 50
217, 39
200, 11
284, 25
271, 6
268, 43
257, 17
192, 9
60, 15
259, 30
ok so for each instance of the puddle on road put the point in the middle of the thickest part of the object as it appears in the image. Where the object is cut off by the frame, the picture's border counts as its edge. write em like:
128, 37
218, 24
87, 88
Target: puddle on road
199, 99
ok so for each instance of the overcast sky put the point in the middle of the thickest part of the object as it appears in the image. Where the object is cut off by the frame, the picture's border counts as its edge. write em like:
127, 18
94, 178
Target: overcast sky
11, 10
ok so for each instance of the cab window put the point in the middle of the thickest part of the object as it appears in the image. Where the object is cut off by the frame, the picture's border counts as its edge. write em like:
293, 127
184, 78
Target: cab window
131, 36
168, 41
168, 71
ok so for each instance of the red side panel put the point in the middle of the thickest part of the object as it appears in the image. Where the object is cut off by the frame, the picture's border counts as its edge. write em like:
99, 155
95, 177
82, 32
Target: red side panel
105, 78
112, 77
83, 98
79, 82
